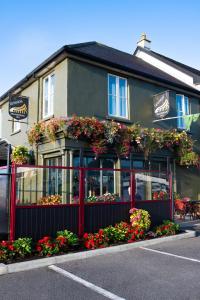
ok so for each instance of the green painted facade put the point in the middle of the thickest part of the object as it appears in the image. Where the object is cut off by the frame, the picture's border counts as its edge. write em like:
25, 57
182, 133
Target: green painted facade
82, 89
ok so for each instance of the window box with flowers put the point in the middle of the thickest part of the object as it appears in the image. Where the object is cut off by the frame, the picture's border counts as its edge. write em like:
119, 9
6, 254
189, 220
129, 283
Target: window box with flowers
102, 136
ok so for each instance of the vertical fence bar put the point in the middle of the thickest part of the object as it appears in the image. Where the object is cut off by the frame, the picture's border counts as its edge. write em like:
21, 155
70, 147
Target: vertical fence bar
13, 203
81, 201
171, 196
133, 189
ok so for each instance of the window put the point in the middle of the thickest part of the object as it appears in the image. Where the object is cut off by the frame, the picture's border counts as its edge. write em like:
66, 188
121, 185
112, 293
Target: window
97, 182
48, 95
117, 96
182, 106
15, 126
53, 176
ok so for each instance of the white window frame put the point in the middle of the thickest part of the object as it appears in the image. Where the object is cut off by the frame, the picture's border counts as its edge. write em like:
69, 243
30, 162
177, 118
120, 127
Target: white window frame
183, 106
118, 97
50, 96
16, 126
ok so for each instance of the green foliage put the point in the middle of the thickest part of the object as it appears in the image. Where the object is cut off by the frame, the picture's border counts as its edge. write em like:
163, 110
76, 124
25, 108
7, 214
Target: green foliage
23, 246
47, 246
71, 237
117, 233
20, 155
167, 228
189, 159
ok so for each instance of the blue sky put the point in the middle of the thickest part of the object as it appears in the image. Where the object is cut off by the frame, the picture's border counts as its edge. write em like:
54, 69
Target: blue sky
30, 31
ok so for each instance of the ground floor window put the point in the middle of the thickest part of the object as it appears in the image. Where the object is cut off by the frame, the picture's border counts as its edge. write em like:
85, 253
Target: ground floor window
97, 182
53, 176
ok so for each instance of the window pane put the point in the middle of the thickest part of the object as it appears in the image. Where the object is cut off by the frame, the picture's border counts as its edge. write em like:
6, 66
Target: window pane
123, 112
122, 88
112, 85
52, 87
53, 177
179, 106
112, 105
186, 105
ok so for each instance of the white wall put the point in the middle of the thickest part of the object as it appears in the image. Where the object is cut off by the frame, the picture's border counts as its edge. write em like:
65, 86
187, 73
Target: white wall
167, 68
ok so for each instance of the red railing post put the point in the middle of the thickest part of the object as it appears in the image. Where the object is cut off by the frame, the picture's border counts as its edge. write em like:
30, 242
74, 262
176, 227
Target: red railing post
171, 196
13, 202
81, 201
132, 189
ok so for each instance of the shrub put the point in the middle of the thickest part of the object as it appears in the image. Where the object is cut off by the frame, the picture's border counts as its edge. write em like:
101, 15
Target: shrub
47, 247
117, 233
7, 250
135, 233
72, 238
140, 218
167, 228
23, 247
96, 240
62, 243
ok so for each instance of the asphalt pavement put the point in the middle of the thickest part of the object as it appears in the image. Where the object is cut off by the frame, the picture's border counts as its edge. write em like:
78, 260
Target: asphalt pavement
168, 271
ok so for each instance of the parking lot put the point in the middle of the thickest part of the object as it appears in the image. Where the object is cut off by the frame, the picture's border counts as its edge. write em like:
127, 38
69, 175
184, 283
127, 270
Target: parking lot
163, 271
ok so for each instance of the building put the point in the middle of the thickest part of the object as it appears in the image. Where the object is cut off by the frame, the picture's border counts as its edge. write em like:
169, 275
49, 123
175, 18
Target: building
91, 79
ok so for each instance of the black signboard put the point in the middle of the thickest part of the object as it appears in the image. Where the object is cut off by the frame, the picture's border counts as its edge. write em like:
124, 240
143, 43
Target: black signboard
18, 107
161, 104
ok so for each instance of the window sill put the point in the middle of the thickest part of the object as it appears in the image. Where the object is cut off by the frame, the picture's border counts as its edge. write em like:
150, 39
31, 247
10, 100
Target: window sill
48, 117
119, 119
18, 131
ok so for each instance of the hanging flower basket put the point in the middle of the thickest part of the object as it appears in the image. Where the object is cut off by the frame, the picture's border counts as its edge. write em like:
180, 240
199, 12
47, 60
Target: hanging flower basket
20, 155
104, 135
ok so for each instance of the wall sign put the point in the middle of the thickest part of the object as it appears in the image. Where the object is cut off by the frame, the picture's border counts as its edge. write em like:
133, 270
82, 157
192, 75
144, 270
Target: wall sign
18, 107
161, 104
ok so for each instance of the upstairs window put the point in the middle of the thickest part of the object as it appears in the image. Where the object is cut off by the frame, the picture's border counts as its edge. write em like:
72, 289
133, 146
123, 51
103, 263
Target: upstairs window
48, 95
183, 109
117, 96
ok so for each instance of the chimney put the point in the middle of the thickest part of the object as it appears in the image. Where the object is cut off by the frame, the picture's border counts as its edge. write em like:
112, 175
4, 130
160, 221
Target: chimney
144, 42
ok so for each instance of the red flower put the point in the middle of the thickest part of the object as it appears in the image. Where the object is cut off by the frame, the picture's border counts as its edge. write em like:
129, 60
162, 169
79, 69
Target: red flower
85, 236
46, 238
38, 248
4, 243
101, 232
11, 247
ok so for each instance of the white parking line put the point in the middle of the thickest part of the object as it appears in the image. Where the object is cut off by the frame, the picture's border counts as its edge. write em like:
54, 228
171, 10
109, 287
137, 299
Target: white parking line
170, 254
85, 283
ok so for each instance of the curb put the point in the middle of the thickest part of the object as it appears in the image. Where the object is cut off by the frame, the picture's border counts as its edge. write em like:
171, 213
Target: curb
43, 262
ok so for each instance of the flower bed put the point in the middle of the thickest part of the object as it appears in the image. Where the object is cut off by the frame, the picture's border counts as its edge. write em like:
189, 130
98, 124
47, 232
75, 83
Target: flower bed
66, 241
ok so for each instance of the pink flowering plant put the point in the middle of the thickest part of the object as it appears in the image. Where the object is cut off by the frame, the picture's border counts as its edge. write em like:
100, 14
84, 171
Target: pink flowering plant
140, 218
